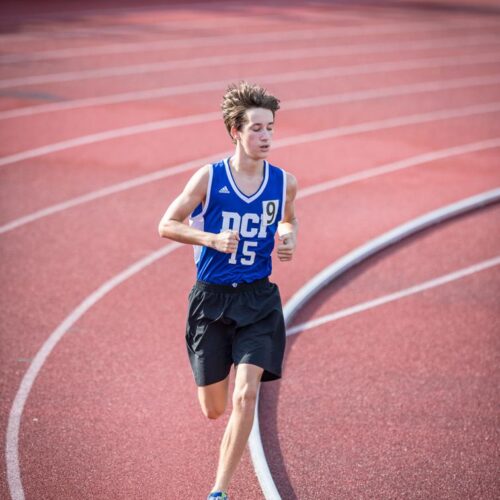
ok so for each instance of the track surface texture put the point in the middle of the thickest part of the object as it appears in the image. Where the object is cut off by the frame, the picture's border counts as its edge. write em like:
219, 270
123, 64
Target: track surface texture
389, 110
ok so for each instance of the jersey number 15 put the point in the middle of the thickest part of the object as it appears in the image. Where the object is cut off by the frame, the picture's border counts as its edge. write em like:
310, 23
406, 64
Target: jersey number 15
250, 225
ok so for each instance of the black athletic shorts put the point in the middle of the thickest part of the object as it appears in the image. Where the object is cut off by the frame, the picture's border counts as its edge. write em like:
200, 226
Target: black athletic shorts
229, 324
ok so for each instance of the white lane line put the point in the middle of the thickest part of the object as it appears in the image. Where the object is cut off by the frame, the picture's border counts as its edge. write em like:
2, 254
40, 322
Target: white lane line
203, 118
331, 272
400, 165
390, 123
12, 443
375, 245
358, 69
397, 90
12, 437
280, 55
243, 39
370, 304
342, 131
115, 188
107, 135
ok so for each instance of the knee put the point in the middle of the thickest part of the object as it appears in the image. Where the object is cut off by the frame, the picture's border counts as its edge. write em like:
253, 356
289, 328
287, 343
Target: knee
244, 398
212, 412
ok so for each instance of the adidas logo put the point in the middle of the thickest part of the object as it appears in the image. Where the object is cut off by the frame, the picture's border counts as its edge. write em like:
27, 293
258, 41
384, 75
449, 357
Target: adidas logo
224, 190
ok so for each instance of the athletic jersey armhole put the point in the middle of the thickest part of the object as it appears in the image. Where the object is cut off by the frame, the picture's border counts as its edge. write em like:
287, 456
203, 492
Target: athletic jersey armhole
209, 189
284, 195
204, 206
198, 220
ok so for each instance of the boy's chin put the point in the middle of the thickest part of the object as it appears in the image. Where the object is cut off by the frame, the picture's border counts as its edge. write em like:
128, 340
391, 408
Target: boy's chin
258, 154
262, 154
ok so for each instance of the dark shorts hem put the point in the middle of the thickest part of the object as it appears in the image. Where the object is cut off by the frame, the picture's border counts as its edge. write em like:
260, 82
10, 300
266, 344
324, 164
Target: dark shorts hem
227, 326
267, 376
269, 373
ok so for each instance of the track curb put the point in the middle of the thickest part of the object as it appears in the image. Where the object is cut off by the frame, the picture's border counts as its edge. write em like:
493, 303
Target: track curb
334, 270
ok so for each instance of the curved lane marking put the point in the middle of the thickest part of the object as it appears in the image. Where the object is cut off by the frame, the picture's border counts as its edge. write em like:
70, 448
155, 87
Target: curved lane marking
12, 443
340, 266
336, 132
391, 297
401, 164
358, 69
107, 135
243, 39
14, 422
239, 58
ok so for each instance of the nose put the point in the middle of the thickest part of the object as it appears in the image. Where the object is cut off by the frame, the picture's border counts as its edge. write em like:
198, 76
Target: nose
266, 135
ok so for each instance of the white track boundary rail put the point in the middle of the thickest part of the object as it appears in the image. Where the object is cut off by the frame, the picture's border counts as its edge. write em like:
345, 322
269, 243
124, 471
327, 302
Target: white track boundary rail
337, 268
391, 297
15, 415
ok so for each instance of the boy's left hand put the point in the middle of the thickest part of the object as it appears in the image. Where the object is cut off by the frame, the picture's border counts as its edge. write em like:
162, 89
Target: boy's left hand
286, 246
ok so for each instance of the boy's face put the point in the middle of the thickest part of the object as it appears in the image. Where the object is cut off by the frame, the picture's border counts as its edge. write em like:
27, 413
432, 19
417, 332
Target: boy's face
256, 134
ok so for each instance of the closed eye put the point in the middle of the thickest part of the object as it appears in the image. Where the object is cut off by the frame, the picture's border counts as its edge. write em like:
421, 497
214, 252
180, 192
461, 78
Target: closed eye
258, 128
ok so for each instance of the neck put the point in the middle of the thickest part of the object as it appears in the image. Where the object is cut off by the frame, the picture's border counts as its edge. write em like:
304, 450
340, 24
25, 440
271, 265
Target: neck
241, 162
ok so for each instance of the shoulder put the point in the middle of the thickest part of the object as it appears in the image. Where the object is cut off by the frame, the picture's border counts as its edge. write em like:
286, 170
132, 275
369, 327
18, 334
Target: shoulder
291, 180
199, 180
204, 172
291, 185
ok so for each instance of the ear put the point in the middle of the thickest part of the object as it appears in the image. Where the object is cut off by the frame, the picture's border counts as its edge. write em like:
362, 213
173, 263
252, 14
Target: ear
235, 134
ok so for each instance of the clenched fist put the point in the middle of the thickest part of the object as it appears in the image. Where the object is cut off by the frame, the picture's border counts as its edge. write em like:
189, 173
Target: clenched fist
227, 241
286, 246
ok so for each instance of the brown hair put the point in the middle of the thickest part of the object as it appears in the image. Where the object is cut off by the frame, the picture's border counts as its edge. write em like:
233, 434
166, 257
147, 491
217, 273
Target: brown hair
242, 96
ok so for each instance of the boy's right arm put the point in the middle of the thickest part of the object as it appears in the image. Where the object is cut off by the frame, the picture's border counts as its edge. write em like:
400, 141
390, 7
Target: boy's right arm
172, 224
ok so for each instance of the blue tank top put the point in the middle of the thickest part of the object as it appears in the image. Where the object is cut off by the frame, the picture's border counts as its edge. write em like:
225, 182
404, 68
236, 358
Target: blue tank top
254, 217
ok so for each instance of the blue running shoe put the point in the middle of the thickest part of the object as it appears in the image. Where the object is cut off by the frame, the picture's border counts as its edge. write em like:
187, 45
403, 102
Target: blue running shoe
218, 494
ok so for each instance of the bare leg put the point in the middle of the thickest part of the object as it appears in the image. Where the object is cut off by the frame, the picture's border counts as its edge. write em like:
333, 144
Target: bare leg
213, 398
240, 423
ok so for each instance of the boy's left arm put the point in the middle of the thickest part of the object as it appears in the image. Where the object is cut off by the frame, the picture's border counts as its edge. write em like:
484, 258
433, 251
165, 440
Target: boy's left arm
288, 226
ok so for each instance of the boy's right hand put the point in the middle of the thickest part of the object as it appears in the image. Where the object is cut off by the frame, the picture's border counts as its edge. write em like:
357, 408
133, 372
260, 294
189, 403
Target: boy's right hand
227, 241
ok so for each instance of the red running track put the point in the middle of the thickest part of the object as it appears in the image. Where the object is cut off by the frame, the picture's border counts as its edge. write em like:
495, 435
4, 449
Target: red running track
404, 392
113, 410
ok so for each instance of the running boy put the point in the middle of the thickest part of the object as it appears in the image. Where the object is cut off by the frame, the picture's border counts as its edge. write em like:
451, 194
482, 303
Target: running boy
235, 315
